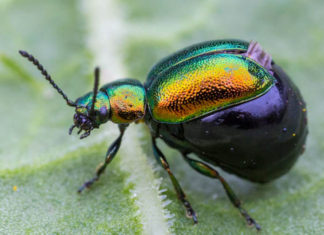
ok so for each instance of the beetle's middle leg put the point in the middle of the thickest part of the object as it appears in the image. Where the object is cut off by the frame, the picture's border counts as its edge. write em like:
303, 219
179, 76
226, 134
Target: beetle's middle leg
210, 172
181, 195
111, 152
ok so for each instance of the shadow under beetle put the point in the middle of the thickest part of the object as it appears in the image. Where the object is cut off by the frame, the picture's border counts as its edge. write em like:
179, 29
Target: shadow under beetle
225, 101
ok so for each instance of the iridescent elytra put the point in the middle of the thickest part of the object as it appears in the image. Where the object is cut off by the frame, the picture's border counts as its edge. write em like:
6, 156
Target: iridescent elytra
225, 101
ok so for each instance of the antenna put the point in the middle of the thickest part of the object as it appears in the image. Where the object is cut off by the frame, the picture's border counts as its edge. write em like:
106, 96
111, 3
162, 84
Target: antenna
40, 67
95, 89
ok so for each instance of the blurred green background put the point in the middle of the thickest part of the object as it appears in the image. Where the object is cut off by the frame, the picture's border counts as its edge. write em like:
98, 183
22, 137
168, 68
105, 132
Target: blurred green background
126, 38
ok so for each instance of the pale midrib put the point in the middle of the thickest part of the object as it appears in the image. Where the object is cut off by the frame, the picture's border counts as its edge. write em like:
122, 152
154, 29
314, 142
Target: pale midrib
105, 25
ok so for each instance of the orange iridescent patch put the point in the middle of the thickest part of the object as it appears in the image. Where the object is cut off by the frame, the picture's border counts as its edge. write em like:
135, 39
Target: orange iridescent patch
205, 84
127, 103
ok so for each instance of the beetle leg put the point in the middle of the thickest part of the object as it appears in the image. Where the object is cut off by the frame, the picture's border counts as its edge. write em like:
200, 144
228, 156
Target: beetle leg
111, 152
210, 172
181, 195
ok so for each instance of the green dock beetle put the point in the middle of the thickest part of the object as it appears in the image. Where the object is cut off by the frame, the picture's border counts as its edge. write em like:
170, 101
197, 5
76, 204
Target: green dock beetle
226, 101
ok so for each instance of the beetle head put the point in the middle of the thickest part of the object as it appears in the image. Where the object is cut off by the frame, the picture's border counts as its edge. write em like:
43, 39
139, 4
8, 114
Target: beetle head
91, 110
86, 118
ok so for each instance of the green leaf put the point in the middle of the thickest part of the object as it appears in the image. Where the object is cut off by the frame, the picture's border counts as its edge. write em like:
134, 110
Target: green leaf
41, 166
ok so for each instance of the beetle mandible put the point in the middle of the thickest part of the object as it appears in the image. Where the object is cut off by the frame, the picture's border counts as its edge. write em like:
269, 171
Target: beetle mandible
224, 100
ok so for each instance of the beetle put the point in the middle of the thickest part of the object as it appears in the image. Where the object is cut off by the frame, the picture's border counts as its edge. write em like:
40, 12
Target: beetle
225, 101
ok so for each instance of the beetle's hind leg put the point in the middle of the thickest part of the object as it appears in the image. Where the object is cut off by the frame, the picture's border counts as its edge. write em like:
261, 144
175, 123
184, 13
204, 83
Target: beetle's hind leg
210, 172
181, 195
111, 152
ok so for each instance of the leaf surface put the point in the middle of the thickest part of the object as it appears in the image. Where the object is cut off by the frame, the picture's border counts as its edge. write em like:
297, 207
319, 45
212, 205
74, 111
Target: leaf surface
41, 166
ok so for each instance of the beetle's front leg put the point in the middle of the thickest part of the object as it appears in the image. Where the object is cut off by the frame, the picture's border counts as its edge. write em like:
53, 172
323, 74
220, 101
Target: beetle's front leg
181, 195
210, 172
111, 152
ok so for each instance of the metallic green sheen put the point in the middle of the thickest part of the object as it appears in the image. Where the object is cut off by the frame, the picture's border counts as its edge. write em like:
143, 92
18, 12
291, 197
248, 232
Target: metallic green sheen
127, 100
115, 84
215, 46
84, 100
